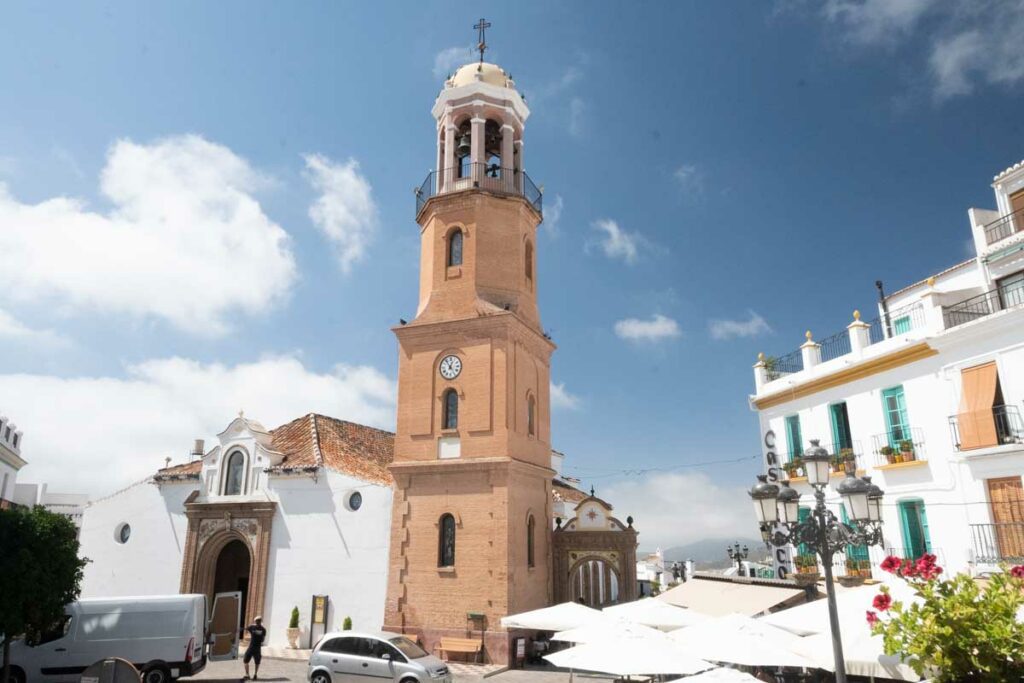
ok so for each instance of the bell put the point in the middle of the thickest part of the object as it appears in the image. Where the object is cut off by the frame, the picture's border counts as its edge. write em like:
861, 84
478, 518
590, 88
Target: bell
463, 149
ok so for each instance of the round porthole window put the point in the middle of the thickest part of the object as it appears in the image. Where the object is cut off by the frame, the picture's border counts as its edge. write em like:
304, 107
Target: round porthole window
123, 533
355, 501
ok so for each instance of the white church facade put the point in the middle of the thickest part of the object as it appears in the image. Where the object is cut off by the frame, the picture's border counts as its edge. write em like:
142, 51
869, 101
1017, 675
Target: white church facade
281, 515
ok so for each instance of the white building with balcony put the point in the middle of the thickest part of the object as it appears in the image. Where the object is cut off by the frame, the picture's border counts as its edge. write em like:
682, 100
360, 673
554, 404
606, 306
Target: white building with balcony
10, 461
926, 399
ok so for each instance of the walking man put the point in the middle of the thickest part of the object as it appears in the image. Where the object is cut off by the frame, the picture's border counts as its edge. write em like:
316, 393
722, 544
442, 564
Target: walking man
257, 634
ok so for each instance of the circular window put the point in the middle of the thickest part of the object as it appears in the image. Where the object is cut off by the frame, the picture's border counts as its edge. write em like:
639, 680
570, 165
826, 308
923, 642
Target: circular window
123, 533
355, 501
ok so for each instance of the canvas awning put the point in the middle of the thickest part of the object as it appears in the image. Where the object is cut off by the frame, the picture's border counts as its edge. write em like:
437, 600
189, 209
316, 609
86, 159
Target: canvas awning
656, 614
718, 598
721, 675
740, 639
630, 657
560, 617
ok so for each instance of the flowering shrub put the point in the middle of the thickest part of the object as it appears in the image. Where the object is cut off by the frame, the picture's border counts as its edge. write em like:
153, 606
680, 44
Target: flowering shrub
959, 631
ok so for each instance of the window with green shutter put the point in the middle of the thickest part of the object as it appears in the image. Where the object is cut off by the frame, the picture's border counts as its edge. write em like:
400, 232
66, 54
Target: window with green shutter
840, 418
793, 437
901, 325
914, 523
853, 552
896, 423
803, 548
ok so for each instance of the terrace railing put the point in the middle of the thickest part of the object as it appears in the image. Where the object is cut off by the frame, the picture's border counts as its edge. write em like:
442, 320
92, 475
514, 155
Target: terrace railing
1008, 424
982, 305
1004, 227
479, 176
784, 365
897, 440
1001, 542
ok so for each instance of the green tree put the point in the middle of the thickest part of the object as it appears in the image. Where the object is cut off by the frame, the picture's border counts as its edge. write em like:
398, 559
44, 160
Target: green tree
40, 573
347, 624
294, 621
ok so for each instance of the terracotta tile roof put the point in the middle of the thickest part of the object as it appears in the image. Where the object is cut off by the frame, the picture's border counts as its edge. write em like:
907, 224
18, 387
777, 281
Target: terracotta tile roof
187, 470
320, 441
563, 491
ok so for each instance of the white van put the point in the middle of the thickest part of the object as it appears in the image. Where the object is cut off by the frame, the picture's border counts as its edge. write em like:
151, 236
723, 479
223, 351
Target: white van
164, 636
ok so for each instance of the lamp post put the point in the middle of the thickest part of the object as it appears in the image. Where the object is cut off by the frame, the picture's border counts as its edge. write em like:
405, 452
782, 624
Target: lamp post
778, 513
737, 555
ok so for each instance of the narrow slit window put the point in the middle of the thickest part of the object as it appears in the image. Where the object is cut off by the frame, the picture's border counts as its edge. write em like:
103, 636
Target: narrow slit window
455, 249
446, 541
451, 409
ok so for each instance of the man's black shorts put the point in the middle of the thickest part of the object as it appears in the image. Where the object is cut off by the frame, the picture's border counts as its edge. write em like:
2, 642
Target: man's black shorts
252, 653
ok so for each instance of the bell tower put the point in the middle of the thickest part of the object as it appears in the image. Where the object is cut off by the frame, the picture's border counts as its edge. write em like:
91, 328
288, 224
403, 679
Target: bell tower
471, 522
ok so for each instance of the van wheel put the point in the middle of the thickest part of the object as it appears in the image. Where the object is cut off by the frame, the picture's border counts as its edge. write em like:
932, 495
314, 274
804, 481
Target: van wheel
156, 674
17, 675
320, 677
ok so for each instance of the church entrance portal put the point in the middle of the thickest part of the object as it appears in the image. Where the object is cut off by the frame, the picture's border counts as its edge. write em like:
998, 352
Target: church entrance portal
232, 572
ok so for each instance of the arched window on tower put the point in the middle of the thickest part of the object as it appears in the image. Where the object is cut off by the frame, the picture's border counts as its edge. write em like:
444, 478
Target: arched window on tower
446, 541
235, 472
530, 561
455, 248
529, 263
451, 410
531, 415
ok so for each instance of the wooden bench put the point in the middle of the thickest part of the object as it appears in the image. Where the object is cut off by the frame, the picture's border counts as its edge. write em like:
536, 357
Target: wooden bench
466, 645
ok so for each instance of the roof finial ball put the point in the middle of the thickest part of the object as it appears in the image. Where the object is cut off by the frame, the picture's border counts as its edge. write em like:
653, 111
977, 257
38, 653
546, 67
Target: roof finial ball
761, 357
931, 282
808, 335
856, 315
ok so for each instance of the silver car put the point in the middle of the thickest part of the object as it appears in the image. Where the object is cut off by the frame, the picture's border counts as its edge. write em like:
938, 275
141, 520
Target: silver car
350, 657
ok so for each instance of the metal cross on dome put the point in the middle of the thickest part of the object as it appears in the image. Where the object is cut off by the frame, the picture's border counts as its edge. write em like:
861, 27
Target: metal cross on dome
481, 40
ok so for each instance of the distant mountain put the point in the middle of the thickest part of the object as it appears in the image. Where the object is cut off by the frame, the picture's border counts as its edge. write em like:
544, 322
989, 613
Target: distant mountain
712, 551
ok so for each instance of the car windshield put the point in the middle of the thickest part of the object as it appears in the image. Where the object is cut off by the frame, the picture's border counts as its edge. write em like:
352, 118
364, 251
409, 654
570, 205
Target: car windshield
408, 648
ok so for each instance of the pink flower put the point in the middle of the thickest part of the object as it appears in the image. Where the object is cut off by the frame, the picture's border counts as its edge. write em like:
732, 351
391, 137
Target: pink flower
1018, 571
872, 618
890, 564
908, 568
925, 563
882, 602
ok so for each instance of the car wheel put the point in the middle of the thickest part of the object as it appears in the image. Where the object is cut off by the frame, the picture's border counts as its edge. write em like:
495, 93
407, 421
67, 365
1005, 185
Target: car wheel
320, 677
156, 674
17, 675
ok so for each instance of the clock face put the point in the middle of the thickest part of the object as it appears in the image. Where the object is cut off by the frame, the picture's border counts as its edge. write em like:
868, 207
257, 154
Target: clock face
451, 366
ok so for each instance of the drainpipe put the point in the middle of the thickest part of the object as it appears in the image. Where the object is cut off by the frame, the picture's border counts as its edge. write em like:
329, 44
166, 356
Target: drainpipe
885, 308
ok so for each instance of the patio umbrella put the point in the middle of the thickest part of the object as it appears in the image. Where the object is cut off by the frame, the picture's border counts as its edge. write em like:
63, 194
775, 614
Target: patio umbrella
739, 639
629, 657
864, 654
656, 614
555, 618
852, 605
718, 676
608, 630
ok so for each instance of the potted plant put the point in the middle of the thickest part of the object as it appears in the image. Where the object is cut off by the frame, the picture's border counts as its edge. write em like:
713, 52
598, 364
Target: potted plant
848, 459
907, 450
293, 629
347, 624
806, 569
890, 455
837, 465
865, 568
853, 576
795, 467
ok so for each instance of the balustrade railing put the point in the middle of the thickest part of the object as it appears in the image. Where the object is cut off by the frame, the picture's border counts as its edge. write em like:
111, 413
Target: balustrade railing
898, 445
1009, 428
983, 304
1000, 542
479, 176
1004, 227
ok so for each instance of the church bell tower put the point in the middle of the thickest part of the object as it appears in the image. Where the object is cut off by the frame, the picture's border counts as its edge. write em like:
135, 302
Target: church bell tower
471, 522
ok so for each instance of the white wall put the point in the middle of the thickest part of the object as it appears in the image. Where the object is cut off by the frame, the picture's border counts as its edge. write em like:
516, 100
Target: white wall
320, 547
150, 562
11, 474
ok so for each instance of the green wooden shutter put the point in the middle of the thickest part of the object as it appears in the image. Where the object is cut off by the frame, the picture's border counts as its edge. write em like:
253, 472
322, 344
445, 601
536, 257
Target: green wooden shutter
926, 536
916, 538
837, 432
803, 515
793, 436
896, 423
901, 325
853, 552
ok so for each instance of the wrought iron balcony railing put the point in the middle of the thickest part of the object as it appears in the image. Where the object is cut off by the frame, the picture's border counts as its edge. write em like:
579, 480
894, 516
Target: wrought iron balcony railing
995, 543
983, 304
479, 176
841, 452
898, 445
1008, 425
776, 367
1004, 227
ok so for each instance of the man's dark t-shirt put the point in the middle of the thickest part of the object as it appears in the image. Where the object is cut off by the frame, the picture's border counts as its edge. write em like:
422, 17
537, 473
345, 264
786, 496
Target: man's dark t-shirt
257, 634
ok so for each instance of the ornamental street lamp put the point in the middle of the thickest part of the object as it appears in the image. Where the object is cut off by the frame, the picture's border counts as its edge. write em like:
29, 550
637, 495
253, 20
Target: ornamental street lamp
737, 555
778, 514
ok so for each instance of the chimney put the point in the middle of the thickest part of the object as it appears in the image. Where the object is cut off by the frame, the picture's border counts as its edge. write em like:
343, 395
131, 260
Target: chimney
197, 449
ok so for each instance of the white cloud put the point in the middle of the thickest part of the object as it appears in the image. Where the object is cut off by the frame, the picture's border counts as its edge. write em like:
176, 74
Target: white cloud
690, 179
617, 243
16, 331
345, 211
656, 501
95, 434
730, 329
966, 43
185, 240
577, 113
656, 329
561, 399
553, 214
448, 59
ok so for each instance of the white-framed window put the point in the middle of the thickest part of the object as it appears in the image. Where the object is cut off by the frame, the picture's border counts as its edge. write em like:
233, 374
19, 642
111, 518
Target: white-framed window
234, 474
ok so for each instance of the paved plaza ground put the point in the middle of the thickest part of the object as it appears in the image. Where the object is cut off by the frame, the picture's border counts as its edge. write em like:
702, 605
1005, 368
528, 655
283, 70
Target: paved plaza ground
281, 670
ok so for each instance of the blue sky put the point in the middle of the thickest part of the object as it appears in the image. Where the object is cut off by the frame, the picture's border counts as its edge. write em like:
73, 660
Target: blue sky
754, 163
